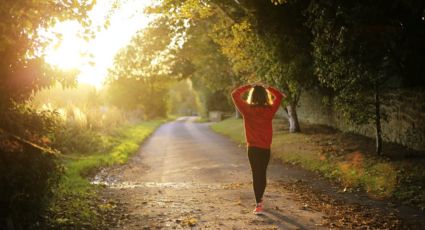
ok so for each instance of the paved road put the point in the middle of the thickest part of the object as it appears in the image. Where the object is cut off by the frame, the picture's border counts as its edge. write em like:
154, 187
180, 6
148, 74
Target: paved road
186, 176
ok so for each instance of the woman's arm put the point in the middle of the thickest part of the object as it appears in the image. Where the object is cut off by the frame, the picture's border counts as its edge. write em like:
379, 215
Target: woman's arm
237, 98
278, 96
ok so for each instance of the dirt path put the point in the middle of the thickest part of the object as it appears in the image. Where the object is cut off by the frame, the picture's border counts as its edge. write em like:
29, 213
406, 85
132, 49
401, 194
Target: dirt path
187, 177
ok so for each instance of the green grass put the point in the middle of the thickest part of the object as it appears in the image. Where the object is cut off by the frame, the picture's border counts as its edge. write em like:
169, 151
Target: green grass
202, 119
232, 128
75, 203
380, 177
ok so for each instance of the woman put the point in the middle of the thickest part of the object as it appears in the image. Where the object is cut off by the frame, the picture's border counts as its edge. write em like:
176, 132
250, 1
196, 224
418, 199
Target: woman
258, 112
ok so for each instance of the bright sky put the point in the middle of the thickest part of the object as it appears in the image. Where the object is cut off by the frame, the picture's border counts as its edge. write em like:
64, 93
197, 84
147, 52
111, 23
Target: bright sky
94, 57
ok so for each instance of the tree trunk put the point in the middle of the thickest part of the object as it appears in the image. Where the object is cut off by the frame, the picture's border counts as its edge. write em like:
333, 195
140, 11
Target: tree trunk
237, 114
378, 134
294, 125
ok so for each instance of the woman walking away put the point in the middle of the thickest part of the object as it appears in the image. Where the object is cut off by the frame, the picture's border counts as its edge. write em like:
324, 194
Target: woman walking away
258, 112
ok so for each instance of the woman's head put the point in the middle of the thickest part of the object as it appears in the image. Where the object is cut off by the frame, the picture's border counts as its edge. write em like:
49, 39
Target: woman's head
259, 96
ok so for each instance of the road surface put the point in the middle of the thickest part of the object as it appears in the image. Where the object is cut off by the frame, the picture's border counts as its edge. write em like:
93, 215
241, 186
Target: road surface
186, 176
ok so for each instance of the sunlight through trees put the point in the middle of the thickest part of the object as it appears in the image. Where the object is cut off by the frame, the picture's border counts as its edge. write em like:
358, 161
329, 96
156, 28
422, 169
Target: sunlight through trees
75, 73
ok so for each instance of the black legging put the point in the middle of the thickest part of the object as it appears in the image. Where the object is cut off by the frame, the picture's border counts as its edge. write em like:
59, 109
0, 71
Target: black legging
259, 159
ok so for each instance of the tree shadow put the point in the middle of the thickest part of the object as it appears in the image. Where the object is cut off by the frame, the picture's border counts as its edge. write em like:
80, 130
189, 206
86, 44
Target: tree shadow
282, 221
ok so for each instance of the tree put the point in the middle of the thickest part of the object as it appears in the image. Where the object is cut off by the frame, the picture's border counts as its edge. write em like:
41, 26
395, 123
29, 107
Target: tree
212, 74
359, 52
28, 168
183, 100
141, 72
22, 68
261, 41
270, 44
145, 95
204, 64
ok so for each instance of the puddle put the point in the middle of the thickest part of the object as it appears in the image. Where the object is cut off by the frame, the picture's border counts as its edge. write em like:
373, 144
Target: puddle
102, 178
173, 185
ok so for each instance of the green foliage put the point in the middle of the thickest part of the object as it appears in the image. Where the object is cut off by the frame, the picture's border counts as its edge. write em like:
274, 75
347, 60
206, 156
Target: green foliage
148, 56
359, 50
145, 95
27, 173
25, 121
226, 44
412, 181
27, 178
81, 96
347, 62
22, 68
182, 99
270, 44
76, 139
212, 69
82, 114
28, 130
212, 77
258, 42
82, 107
218, 101
141, 72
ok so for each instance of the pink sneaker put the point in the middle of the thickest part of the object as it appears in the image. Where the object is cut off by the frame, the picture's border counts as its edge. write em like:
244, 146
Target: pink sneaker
259, 208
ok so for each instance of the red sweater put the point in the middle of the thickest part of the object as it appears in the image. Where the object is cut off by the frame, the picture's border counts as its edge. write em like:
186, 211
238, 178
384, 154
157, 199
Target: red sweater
257, 119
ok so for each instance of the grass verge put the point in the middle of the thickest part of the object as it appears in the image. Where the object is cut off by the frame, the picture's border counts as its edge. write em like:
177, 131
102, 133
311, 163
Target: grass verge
232, 128
75, 204
348, 159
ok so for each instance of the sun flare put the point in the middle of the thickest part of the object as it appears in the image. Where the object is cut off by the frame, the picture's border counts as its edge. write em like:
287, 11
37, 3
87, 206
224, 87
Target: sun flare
66, 53
92, 58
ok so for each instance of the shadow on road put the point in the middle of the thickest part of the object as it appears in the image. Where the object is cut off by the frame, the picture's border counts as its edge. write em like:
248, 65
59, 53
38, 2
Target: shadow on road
282, 221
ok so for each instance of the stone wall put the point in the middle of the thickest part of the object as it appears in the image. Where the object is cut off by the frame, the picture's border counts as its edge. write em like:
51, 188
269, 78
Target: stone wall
406, 117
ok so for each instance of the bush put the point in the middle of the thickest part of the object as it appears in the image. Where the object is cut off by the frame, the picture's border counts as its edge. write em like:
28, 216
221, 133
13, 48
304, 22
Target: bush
27, 176
75, 139
27, 172
80, 130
